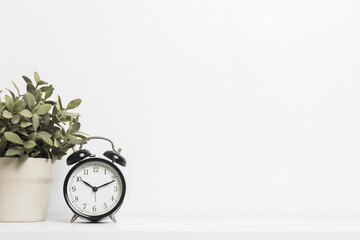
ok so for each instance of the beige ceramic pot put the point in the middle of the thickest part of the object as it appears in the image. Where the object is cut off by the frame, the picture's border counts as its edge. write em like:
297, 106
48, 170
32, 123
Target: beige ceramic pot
25, 189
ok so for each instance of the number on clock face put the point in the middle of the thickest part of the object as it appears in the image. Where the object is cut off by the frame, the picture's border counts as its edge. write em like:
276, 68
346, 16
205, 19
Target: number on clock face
94, 188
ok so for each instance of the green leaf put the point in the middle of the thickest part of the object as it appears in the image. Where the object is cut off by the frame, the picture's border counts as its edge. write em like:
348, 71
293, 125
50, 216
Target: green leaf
2, 130
44, 133
46, 118
27, 80
12, 94
47, 89
17, 89
26, 113
58, 134
47, 153
14, 151
71, 123
9, 103
69, 114
50, 102
55, 119
48, 94
30, 100
42, 109
46, 137
13, 137
35, 154
29, 144
63, 131
70, 136
75, 128
35, 121
56, 144
73, 104
38, 96
36, 77
19, 105
25, 124
55, 109
57, 155
31, 88
3, 144
75, 141
23, 158
41, 82
14, 128
23, 132
32, 136
60, 103
80, 136
6, 114
15, 119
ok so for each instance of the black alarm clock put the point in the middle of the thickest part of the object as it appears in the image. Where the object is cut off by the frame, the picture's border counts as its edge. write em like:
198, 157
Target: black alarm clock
94, 188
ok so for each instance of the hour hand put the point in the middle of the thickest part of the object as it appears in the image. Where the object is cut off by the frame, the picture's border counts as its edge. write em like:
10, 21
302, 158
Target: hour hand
87, 183
106, 184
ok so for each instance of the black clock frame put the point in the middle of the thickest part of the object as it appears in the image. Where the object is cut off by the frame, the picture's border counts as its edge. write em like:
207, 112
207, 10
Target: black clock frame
99, 217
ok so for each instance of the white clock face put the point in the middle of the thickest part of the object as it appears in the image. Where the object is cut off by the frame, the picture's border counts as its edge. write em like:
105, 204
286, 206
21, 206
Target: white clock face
94, 188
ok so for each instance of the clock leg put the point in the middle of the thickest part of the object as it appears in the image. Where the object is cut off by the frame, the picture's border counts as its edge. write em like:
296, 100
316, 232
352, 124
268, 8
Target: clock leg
74, 218
112, 217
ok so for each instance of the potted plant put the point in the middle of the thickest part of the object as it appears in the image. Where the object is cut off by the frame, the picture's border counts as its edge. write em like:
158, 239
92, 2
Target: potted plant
34, 132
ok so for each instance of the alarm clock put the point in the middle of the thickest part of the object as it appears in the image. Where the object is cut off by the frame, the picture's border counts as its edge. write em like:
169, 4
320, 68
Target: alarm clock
94, 188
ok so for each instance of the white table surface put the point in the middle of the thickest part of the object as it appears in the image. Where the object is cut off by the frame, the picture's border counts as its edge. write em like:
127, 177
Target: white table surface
187, 228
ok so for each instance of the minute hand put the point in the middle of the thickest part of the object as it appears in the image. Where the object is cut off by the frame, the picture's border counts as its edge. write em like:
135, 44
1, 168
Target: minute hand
106, 184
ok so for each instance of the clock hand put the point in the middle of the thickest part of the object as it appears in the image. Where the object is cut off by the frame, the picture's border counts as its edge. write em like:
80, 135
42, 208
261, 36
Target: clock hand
93, 188
87, 183
106, 184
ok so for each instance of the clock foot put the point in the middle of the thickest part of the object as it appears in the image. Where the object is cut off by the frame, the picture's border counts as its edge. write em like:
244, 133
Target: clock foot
112, 217
74, 218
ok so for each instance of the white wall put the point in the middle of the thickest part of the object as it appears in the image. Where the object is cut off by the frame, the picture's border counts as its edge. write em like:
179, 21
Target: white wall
222, 108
